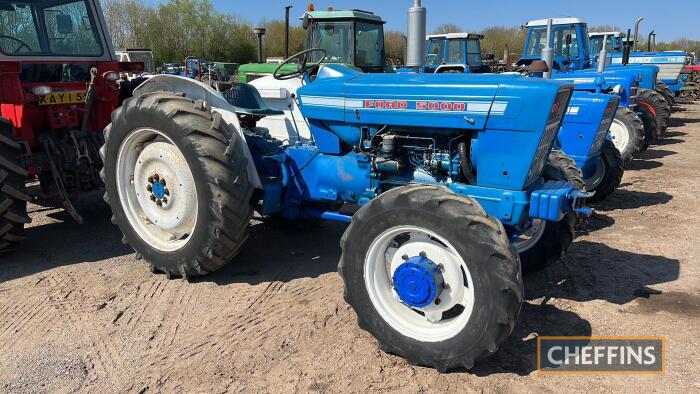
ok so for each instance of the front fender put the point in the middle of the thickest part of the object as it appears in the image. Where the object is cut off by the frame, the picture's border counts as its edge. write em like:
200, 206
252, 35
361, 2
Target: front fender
213, 100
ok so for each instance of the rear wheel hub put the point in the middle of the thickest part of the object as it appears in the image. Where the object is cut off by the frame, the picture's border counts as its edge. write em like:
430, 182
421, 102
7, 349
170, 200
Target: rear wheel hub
418, 282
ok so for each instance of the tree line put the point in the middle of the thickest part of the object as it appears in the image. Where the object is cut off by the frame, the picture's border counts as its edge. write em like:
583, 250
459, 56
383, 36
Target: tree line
175, 29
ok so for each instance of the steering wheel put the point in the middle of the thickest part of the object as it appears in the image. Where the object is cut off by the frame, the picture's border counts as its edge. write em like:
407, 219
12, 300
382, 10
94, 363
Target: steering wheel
22, 43
303, 65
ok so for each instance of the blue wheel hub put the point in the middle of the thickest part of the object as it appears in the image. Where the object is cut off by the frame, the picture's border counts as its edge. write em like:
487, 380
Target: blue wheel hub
418, 282
158, 190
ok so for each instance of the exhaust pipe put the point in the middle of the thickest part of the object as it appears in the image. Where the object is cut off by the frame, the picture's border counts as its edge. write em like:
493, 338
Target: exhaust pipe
548, 52
636, 32
415, 51
260, 32
626, 50
286, 31
651, 46
603, 57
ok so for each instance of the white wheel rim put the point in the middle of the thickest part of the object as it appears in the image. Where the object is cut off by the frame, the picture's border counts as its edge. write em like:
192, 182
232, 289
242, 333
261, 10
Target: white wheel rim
530, 237
594, 180
620, 135
147, 153
385, 256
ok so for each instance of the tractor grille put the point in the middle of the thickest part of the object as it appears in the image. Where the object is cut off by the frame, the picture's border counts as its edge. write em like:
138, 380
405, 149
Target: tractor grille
604, 126
556, 116
633, 95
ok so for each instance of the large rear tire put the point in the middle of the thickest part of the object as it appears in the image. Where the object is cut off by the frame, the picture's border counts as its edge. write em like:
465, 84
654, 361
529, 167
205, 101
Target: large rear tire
612, 166
655, 103
543, 242
476, 301
176, 179
665, 91
627, 132
13, 193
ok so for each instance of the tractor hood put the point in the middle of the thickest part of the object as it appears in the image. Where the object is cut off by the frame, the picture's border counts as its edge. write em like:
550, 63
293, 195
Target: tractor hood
462, 101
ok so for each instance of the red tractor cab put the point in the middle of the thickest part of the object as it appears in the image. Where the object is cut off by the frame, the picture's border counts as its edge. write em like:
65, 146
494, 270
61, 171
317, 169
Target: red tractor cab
59, 83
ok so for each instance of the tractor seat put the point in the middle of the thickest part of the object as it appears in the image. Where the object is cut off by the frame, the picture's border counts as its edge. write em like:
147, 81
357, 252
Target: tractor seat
246, 100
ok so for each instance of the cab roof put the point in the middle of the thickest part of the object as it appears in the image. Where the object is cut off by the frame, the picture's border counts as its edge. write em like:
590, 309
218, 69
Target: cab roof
555, 21
608, 33
344, 14
455, 36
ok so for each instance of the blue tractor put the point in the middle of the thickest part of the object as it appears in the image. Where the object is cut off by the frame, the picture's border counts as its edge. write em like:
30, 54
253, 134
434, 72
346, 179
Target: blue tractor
572, 60
670, 63
584, 135
448, 172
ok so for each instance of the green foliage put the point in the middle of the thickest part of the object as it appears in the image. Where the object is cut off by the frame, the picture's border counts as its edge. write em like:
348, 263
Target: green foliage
175, 29
498, 38
394, 47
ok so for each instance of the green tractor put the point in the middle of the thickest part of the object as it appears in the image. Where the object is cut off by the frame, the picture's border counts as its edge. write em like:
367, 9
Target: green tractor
361, 42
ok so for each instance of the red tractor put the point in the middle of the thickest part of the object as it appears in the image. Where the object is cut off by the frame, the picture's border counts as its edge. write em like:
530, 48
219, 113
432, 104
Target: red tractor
59, 83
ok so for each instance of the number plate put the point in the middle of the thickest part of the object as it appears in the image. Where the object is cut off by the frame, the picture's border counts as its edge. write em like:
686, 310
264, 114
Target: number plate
59, 98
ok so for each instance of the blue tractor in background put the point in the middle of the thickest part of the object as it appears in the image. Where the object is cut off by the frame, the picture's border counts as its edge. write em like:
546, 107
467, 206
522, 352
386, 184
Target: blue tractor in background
584, 135
572, 60
670, 63
448, 172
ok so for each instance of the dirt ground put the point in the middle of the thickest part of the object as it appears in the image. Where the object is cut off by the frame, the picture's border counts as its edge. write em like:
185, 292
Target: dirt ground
78, 312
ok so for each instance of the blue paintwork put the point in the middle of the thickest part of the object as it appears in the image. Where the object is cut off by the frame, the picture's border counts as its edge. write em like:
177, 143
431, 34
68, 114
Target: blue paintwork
418, 282
158, 190
511, 121
585, 128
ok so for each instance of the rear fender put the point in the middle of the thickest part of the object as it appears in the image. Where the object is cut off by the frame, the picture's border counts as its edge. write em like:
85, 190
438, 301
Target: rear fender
214, 101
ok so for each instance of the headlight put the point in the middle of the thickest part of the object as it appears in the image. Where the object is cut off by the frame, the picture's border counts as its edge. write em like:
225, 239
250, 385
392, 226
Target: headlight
619, 90
111, 76
41, 90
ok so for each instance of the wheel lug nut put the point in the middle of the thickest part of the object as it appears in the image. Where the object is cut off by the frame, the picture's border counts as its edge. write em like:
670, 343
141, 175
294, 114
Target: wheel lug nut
159, 203
153, 198
167, 192
422, 254
156, 177
437, 301
150, 179
165, 200
162, 182
149, 188
404, 257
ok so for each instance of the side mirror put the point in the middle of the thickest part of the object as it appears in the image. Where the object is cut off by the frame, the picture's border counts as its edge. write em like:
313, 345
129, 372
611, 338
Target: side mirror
305, 21
64, 24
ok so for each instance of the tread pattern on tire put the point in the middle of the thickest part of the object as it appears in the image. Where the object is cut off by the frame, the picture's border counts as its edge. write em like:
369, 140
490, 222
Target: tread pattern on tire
665, 91
654, 102
454, 209
220, 152
614, 169
13, 194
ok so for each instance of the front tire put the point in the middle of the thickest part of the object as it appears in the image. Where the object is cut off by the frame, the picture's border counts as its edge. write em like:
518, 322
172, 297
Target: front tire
627, 132
482, 286
612, 165
654, 103
542, 242
177, 182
